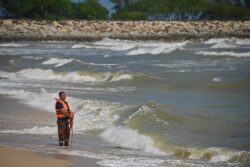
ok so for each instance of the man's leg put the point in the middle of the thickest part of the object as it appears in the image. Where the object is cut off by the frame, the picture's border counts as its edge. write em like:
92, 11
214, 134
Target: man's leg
67, 134
61, 129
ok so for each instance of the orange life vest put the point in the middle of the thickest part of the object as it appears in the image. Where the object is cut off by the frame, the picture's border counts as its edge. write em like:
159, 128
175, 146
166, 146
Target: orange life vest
59, 113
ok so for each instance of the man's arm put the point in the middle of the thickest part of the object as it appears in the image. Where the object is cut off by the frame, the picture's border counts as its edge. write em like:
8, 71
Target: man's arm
59, 106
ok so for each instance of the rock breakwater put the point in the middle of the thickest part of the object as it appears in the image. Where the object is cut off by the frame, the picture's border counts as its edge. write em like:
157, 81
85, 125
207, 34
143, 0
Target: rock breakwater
144, 30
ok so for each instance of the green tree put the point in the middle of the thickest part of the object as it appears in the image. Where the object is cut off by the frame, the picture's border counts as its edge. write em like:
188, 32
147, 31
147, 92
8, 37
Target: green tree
92, 9
159, 9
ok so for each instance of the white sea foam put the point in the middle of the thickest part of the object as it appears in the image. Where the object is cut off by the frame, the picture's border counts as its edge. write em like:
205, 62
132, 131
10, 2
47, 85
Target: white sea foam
224, 44
106, 56
243, 42
216, 40
42, 100
77, 46
227, 42
57, 62
120, 77
133, 47
35, 130
233, 54
116, 44
116, 47
156, 48
216, 79
118, 136
132, 162
32, 57
40, 74
13, 45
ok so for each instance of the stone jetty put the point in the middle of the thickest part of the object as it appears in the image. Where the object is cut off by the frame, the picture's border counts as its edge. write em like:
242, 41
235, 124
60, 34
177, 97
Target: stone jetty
83, 30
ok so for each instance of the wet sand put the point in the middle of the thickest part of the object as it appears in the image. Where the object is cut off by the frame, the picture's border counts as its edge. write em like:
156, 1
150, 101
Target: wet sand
24, 158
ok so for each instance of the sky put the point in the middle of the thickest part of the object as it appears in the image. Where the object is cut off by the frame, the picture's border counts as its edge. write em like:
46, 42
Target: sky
105, 3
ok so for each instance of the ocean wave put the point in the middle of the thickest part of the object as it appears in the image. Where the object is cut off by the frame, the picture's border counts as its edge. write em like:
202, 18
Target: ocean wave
116, 136
78, 77
156, 48
60, 62
227, 42
57, 62
96, 115
89, 114
134, 47
32, 57
216, 79
13, 45
214, 53
108, 44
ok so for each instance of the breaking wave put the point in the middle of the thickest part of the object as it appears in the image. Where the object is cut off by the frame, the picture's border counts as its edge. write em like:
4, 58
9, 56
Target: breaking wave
219, 43
32, 57
136, 124
108, 44
120, 122
156, 48
134, 47
233, 54
13, 45
57, 62
119, 136
89, 114
78, 77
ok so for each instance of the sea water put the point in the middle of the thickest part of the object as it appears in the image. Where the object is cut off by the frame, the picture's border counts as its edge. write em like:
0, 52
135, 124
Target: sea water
136, 103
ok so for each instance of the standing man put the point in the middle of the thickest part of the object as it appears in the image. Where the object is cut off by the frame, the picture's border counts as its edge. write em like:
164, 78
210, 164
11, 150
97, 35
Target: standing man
64, 119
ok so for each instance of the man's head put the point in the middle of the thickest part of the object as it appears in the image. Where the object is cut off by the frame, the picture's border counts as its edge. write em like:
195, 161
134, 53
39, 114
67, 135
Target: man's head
62, 95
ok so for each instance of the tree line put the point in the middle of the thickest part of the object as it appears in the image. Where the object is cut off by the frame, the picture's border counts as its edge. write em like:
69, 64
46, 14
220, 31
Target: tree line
179, 10
124, 10
54, 9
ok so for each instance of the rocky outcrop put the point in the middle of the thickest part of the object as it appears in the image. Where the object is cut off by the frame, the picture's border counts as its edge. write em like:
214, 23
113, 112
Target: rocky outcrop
94, 30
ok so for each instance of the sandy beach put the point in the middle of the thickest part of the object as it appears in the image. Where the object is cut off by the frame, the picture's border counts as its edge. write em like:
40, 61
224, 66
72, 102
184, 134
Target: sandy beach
24, 158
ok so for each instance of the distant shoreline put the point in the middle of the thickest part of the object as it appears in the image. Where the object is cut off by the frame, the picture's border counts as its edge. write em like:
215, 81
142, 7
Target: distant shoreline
82, 30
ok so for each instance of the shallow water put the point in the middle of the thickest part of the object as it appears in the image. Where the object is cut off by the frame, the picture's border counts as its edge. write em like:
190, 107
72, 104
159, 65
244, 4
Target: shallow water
137, 103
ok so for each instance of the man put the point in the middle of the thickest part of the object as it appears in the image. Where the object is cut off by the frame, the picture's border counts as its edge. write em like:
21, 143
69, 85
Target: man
64, 119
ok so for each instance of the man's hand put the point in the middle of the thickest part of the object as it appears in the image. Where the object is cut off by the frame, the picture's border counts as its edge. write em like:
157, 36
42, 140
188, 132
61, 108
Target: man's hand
65, 112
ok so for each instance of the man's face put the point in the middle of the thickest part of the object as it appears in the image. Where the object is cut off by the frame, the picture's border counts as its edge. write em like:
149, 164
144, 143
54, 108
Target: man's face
63, 96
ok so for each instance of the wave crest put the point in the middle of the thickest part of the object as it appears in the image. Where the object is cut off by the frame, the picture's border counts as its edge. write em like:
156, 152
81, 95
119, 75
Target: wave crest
41, 74
214, 53
128, 138
57, 62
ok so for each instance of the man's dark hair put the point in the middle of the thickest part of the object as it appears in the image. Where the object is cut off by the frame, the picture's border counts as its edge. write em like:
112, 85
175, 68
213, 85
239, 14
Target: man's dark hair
60, 93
